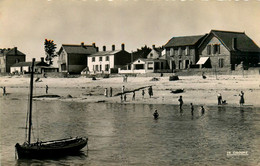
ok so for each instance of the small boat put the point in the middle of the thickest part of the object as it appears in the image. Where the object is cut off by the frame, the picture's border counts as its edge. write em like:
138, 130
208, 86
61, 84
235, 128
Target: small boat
47, 149
178, 91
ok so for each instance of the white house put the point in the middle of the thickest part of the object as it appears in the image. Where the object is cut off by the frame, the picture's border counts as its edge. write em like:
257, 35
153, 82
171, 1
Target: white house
108, 61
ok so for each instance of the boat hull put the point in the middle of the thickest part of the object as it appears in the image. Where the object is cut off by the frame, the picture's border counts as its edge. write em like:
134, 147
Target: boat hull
51, 149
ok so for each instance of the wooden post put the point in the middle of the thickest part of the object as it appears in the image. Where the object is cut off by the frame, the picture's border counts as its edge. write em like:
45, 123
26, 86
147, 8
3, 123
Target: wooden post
31, 95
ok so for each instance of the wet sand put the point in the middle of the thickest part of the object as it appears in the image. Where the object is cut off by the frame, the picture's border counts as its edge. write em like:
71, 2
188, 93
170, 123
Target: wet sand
197, 90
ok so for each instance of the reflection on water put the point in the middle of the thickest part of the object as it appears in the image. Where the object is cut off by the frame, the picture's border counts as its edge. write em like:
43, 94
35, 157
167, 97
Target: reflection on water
121, 134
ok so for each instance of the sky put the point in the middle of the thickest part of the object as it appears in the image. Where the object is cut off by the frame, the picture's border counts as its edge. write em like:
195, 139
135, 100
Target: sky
27, 23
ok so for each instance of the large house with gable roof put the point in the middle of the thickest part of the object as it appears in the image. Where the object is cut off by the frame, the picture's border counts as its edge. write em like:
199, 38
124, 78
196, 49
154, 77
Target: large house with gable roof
182, 52
227, 49
72, 59
8, 57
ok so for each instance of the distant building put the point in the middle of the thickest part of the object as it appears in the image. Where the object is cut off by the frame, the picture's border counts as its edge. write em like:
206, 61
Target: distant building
227, 49
153, 63
73, 58
8, 57
25, 67
108, 61
182, 52
140, 53
155, 53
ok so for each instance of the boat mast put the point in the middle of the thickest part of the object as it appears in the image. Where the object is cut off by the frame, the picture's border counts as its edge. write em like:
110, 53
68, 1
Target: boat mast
31, 95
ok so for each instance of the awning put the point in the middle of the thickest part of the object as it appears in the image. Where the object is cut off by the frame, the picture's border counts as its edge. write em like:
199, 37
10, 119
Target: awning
202, 60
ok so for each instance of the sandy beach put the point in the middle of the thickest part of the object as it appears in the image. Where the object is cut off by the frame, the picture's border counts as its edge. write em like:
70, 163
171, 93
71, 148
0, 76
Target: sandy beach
197, 90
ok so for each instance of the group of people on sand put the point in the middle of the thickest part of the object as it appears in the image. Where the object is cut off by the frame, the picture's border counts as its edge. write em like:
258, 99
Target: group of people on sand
222, 102
110, 92
123, 94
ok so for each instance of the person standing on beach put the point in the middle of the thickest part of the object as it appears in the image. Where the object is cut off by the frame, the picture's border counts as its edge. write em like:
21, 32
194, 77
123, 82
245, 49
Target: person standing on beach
105, 93
202, 110
219, 99
46, 88
133, 98
123, 89
180, 102
242, 100
124, 97
150, 91
192, 109
4, 91
143, 93
111, 91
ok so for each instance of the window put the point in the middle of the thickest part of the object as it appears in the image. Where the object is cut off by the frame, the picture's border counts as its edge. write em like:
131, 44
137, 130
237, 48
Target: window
17, 60
187, 50
175, 52
221, 63
150, 65
216, 49
107, 58
171, 52
93, 59
100, 66
151, 55
96, 68
100, 58
179, 51
208, 49
106, 67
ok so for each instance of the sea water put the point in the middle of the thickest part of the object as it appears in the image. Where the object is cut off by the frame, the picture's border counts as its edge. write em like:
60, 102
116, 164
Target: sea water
127, 134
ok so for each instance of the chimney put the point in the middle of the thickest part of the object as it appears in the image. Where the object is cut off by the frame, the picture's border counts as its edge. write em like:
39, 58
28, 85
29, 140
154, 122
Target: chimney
15, 50
94, 44
42, 59
123, 46
113, 47
153, 46
82, 44
104, 48
97, 49
234, 43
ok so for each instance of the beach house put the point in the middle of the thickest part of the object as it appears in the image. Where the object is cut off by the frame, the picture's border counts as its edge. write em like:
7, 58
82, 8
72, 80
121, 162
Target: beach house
72, 59
108, 61
226, 50
182, 51
8, 57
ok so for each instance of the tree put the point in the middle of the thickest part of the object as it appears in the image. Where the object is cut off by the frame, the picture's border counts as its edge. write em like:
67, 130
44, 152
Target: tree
49, 47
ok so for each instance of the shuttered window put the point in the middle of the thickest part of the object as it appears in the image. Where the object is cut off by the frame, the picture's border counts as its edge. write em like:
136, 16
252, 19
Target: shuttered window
179, 51
221, 63
187, 50
171, 52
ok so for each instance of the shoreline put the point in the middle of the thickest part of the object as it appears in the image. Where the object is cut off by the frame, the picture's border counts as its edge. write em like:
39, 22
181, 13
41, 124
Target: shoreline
196, 90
